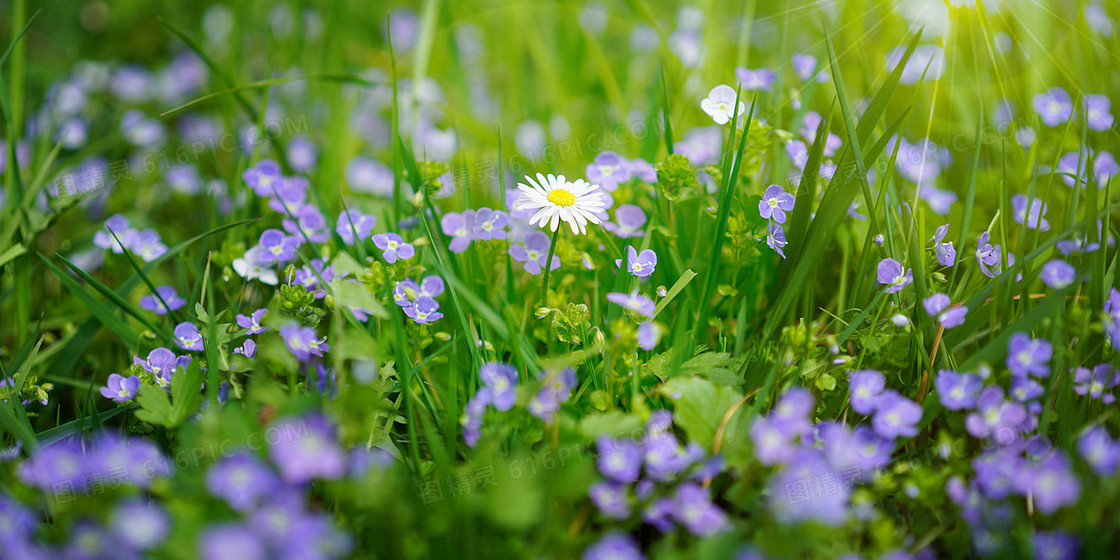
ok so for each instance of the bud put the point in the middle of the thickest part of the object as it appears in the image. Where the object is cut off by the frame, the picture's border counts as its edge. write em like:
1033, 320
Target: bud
899, 320
542, 312
939, 277
879, 240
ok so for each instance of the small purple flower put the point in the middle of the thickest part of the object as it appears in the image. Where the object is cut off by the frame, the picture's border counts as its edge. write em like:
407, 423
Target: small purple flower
146, 244
231, 541
1098, 112
305, 448
1028, 356
630, 219
891, 273
611, 498
460, 227
162, 363
1053, 106
247, 348
116, 224
490, 224
1033, 215
1055, 545
393, 247
276, 247
772, 444
502, 381
635, 302
643, 170
1099, 450
168, 295
775, 203
896, 416
608, 170
533, 251
557, 388
252, 322
803, 65
957, 391
694, 509
1058, 274
1050, 483
988, 255
188, 337
302, 342
353, 225
936, 303
639, 264
946, 254
794, 498
761, 79
864, 389
138, 524
614, 546
1025, 389
1097, 382
996, 418
776, 239
649, 334
619, 459
120, 388
424, 310
242, 480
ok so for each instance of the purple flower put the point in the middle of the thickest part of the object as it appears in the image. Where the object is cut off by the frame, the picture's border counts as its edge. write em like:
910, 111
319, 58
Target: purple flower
775, 203
1049, 482
556, 390
996, 418
611, 498
649, 334
393, 247
1033, 214
776, 238
1099, 450
533, 251
1097, 383
302, 342
989, 255
243, 481
936, 303
188, 337
635, 302
694, 509
940, 201
168, 295
138, 524
803, 65
772, 444
864, 389
252, 322
460, 227
146, 244
231, 541
1098, 112
619, 459
424, 310
1025, 389
117, 224
639, 264
1076, 246
305, 448
761, 79
792, 410
353, 225
608, 170
957, 391
276, 247
120, 388
501, 379
809, 489
630, 219
614, 546
1074, 167
891, 273
946, 254
1055, 545
247, 348
1058, 274
809, 125
896, 416
490, 224
860, 448
162, 363
1053, 106
1028, 356
643, 170
664, 458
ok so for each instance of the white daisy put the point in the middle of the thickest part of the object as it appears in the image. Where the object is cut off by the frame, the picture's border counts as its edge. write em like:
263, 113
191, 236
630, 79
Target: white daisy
555, 199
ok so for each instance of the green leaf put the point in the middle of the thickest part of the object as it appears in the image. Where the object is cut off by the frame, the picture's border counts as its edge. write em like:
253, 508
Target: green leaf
699, 405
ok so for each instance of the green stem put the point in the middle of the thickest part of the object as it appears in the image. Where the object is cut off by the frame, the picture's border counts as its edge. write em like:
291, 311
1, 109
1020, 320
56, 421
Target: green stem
548, 265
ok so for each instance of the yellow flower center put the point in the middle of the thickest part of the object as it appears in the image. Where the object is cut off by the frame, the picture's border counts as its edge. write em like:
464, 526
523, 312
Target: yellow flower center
561, 197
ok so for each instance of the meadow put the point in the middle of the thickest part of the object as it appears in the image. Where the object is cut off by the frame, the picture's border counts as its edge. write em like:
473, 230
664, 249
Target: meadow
595, 279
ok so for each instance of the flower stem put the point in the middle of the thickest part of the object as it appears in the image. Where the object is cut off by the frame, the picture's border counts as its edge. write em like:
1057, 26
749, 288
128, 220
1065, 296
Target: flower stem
548, 266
